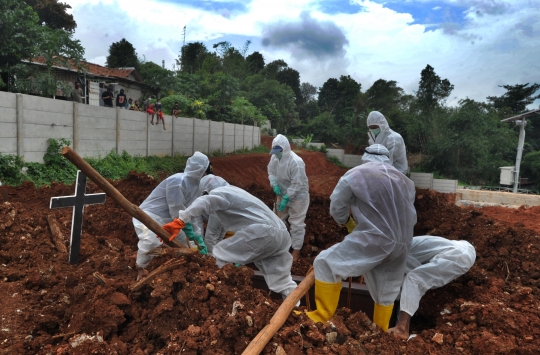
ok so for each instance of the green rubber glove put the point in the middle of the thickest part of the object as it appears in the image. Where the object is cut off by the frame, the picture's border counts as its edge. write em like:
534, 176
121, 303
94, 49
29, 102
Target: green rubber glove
200, 242
283, 203
188, 229
237, 265
277, 190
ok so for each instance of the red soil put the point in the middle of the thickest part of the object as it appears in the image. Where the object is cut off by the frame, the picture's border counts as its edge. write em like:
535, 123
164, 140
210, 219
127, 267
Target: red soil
528, 217
46, 305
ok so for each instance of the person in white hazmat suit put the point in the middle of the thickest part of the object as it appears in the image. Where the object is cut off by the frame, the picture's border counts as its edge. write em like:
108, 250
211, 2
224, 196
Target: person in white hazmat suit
432, 262
260, 237
380, 133
288, 179
173, 194
381, 200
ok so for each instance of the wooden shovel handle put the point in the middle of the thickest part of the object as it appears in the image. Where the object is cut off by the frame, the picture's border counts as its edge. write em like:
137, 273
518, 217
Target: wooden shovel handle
113, 193
259, 342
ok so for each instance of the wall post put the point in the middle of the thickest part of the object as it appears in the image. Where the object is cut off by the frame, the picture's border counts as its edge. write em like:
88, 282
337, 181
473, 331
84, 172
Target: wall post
147, 135
209, 135
243, 136
223, 137
117, 129
75, 127
172, 136
20, 125
193, 138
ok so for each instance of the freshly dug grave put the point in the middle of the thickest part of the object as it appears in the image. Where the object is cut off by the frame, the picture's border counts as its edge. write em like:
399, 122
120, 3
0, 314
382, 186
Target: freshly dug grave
49, 306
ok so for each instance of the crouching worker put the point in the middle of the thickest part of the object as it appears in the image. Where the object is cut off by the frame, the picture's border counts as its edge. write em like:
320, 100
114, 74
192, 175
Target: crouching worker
260, 237
380, 199
432, 262
173, 194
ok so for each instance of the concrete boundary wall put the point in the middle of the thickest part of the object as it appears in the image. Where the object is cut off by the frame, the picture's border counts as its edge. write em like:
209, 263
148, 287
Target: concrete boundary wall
422, 180
480, 198
27, 122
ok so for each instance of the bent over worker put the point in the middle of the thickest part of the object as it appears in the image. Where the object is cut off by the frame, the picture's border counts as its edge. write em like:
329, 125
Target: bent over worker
260, 237
172, 195
380, 199
288, 179
432, 262
380, 133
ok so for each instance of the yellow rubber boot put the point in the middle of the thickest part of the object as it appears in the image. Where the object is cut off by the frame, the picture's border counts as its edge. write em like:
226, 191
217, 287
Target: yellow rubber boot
350, 224
326, 300
381, 315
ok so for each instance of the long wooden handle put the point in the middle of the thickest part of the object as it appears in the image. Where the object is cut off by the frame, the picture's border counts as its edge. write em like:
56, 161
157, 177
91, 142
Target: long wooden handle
113, 193
259, 342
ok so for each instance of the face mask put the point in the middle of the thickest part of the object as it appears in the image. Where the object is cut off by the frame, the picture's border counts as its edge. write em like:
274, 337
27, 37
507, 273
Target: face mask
375, 131
279, 155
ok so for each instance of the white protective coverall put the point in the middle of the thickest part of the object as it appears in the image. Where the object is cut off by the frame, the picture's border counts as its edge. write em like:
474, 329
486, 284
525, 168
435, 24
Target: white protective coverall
390, 139
289, 173
433, 262
260, 237
381, 200
210, 182
173, 194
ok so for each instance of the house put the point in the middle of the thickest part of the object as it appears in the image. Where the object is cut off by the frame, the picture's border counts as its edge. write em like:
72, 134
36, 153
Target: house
96, 78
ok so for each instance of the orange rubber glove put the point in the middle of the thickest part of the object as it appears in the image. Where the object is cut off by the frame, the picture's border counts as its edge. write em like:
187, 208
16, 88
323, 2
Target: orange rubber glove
174, 228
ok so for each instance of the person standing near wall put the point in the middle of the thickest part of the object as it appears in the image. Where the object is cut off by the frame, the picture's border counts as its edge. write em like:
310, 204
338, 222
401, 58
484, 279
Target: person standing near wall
77, 93
107, 97
121, 99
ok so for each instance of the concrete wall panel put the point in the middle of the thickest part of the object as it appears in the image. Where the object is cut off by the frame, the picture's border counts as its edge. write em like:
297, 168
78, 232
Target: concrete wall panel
445, 186
422, 180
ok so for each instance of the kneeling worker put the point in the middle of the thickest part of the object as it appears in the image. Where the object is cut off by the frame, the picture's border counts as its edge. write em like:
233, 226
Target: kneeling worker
260, 237
380, 199
432, 262
172, 195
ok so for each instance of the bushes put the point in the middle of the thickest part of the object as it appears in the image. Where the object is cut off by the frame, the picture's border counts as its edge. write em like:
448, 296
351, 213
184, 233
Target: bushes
530, 167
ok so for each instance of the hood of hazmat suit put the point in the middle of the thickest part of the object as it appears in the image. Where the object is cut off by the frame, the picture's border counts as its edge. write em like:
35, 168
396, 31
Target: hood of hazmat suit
177, 191
259, 235
381, 200
376, 153
211, 182
390, 139
289, 172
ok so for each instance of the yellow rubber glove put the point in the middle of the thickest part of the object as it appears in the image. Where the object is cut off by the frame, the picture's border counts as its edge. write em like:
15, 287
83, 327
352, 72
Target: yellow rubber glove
382, 315
350, 224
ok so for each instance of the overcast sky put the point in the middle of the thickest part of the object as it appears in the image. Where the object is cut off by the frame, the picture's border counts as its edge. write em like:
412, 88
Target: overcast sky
476, 44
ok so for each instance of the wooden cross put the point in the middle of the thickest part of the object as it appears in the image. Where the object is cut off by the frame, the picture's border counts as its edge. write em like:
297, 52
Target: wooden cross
77, 202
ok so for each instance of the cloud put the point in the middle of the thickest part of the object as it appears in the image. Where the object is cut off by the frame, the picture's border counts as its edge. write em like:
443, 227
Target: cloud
306, 38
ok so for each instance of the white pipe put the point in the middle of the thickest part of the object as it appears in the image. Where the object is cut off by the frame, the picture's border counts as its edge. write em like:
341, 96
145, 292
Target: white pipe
521, 142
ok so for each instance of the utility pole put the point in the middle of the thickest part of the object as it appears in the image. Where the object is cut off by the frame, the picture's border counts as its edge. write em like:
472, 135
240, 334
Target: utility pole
184, 31
163, 63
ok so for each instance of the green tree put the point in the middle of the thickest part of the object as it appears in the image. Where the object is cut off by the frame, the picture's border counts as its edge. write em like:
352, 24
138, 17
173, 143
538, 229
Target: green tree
160, 81
271, 69
255, 62
53, 14
517, 97
122, 54
273, 99
323, 127
219, 90
58, 49
246, 112
470, 144
432, 91
530, 167
338, 97
192, 57
291, 77
19, 33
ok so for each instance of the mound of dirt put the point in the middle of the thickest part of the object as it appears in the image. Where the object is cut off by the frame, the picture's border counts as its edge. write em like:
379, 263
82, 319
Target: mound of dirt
51, 307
